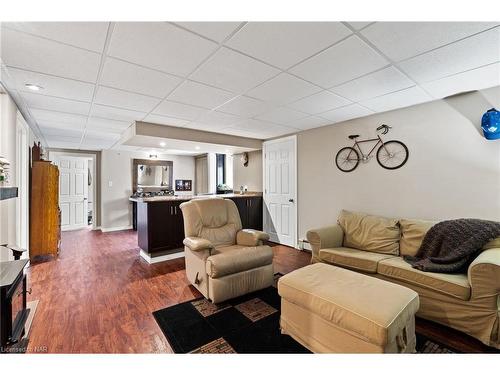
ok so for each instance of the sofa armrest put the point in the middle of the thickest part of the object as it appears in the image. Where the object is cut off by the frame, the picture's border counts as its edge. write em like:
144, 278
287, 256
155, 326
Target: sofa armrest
322, 238
251, 237
484, 274
197, 243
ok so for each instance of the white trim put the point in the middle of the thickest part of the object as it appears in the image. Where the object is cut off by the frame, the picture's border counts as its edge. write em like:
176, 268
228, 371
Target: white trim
162, 258
114, 229
293, 138
94, 177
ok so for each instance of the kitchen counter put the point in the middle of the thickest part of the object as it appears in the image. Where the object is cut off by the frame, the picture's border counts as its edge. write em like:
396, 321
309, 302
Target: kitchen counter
174, 198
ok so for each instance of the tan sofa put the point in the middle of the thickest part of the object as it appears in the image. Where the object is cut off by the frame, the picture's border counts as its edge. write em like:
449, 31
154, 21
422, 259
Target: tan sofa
222, 260
375, 245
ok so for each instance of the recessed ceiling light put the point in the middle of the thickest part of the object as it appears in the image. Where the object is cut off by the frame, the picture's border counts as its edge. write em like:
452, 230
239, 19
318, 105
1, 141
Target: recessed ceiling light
163, 144
197, 147
33, 87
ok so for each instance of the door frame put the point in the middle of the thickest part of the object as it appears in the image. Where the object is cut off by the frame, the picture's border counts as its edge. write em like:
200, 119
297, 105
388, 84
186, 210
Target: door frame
94, 168
293, 138
22, 181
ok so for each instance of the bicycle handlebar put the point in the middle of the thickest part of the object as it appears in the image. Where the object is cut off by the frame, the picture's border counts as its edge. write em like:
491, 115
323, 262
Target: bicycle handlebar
385, 128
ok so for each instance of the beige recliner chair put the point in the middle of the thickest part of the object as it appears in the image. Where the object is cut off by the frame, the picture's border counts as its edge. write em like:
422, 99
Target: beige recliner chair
222, 260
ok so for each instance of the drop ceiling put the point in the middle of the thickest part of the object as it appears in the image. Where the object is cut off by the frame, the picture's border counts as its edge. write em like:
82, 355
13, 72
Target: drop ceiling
257, 79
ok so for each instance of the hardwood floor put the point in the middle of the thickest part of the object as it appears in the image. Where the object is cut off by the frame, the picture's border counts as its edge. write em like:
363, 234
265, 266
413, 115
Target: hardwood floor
98, 295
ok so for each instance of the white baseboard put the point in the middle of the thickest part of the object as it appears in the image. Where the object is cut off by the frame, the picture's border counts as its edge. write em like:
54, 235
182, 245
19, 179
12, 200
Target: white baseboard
114, 229
162, 258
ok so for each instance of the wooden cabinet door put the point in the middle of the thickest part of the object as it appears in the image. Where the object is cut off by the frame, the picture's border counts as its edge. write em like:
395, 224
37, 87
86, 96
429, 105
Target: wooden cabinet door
255, 213
177, 225
242, 205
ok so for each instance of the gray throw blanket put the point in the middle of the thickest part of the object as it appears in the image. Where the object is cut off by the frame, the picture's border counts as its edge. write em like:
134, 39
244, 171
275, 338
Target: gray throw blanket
450, 246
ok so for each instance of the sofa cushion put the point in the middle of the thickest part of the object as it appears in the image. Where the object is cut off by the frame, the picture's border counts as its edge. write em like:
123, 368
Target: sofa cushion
357, 260
373, 309
412, 235
456, 285
370, 233
233, 259
493, 244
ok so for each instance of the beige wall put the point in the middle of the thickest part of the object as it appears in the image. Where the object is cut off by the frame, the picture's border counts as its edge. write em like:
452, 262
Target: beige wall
250, 175
452, 171
116, 166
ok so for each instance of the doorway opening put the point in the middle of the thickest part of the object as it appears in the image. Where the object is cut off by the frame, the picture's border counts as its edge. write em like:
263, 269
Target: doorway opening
77, 189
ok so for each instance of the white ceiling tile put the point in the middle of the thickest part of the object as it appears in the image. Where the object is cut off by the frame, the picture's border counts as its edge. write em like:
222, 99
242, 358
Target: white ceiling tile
49, 131
217, 119
178, 110
476, 79
55, 104
125, 99
114, 113
309, 122
455, 58
217, 31
401, 40
53, 86
41, 55
159, 45
58, 119
359, 25
283, 89
130, 77
346, 113
399, 99
344, 61
100, 135
284, 44
245, 106
88, 35
64, 145
375, 84
233, 71
62, 138
97, 143
106, 125
164, 120
281, 115
320, 102
201, 95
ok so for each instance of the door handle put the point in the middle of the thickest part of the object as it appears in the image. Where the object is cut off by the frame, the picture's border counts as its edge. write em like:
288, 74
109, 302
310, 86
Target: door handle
175, 209
291, 200
85, 199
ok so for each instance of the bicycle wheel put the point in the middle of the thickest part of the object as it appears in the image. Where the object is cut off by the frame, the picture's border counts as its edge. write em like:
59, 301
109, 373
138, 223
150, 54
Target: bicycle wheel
347, 159
392, 155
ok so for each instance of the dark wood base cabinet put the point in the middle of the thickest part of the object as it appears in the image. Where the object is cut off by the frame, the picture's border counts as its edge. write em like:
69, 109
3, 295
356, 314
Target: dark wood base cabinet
160, 225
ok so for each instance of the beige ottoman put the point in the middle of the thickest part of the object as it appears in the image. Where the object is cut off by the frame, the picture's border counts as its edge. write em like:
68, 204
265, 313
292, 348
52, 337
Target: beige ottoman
332, 310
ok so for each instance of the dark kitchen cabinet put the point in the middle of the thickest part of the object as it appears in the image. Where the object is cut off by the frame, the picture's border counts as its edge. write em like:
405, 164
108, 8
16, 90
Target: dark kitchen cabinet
160, 226
250, 209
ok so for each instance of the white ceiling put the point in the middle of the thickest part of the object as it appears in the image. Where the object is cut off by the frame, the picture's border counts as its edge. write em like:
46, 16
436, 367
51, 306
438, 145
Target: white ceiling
256, 79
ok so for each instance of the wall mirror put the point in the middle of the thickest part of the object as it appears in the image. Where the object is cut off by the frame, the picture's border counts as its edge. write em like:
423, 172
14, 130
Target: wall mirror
152, 174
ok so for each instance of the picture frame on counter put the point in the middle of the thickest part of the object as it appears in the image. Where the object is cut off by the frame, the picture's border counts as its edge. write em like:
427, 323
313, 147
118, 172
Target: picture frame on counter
183, 185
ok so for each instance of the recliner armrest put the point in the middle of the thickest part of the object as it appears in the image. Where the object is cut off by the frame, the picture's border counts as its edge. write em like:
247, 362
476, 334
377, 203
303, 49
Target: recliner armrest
323, 238
484, 274
197, 243
251, 237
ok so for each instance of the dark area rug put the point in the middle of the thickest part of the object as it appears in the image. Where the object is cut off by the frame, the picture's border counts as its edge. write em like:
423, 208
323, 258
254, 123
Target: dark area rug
247, 324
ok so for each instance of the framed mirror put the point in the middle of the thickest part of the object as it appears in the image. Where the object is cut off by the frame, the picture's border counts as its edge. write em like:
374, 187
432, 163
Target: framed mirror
152, 174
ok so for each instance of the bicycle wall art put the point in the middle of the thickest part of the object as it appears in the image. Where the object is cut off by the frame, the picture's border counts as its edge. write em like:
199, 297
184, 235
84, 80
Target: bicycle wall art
390, 154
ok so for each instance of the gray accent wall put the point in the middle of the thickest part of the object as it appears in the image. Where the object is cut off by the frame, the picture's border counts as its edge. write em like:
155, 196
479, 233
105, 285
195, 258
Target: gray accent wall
452, 170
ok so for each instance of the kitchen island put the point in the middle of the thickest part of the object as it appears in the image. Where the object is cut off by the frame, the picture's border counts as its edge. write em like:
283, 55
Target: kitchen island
160, 226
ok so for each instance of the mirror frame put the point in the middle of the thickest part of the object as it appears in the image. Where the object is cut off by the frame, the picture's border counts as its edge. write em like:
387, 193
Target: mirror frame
153, 163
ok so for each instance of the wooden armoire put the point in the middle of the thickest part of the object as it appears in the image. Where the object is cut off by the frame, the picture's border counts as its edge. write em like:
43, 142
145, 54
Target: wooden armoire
45, 218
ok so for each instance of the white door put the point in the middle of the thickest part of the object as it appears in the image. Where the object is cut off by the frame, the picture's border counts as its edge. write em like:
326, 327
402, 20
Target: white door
73, 191
280, 193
